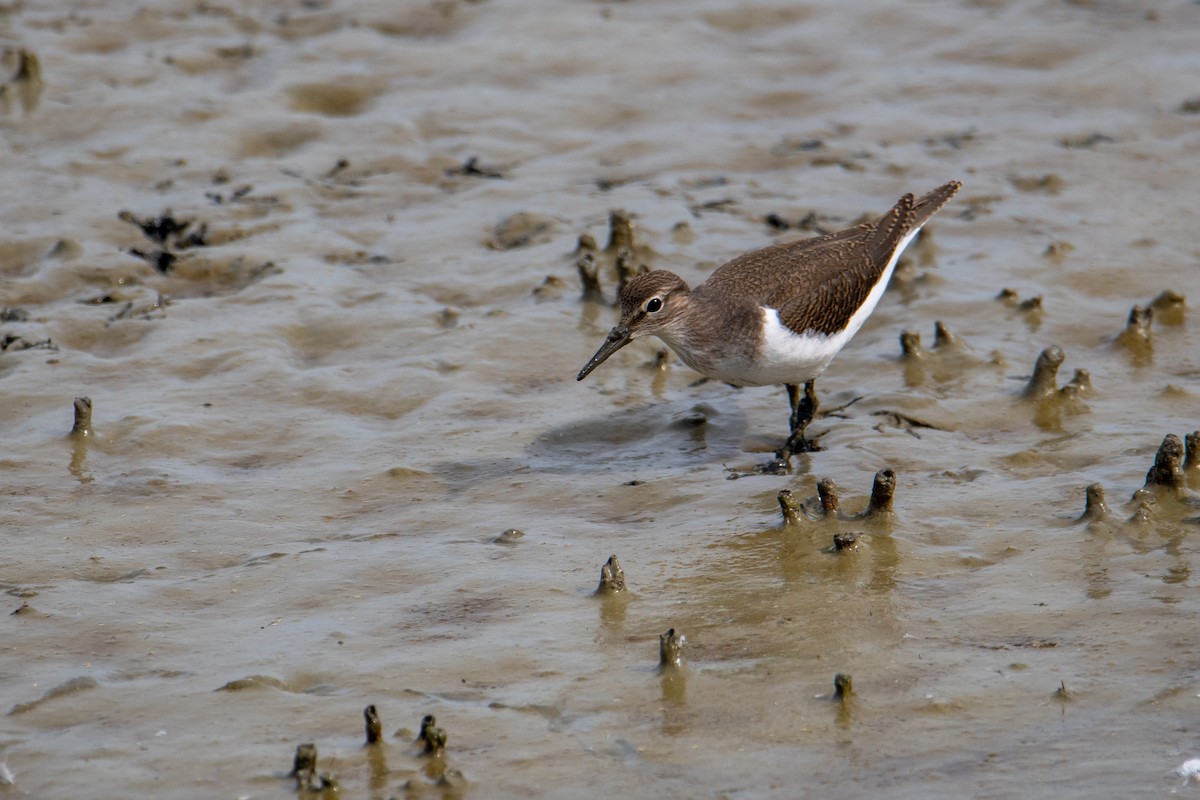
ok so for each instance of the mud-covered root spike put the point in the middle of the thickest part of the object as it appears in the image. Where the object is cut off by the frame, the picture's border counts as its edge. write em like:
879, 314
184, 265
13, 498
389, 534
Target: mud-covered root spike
1044, 381
586, 244
589, 277
910, 345
431, 736
29, 68
843, 686
435, 742
1095, 507
83, 417
1136, 340
1191, 458
1137, 327
827, 493
1080, 384
305, 761
1145, 505
627, 269
26, 80
1010, 298
612, 577
1168, 464
883, 492
1169, 307
620, 232
788, 507
943, 338
304, 770
845, 541
373, 724
670, 650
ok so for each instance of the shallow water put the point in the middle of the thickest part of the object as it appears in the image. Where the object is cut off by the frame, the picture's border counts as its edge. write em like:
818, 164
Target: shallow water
310, 431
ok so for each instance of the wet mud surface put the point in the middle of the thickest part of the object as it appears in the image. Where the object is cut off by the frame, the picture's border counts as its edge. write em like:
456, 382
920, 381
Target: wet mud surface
292, 301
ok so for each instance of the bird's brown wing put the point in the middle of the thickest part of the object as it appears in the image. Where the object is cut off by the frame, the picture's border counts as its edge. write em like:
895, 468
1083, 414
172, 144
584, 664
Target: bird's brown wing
841, 273
838, 269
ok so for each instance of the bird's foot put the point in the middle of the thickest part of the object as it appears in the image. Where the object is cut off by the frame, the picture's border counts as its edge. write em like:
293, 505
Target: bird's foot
777, 466
798, 443
782, 463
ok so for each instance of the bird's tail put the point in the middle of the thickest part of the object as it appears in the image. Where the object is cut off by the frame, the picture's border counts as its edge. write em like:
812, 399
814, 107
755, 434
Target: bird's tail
894, 228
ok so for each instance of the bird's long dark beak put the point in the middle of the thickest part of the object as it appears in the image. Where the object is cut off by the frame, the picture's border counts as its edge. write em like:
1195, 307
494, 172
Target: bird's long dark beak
618, 337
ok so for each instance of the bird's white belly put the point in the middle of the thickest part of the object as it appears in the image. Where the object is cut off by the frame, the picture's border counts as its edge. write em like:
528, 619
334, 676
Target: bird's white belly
788, 357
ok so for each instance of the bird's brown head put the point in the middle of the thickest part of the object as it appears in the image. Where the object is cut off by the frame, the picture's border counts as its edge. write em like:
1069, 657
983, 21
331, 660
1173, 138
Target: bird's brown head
650, 304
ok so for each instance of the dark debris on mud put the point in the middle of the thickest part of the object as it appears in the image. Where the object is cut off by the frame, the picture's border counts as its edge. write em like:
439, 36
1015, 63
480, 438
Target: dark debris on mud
169, 235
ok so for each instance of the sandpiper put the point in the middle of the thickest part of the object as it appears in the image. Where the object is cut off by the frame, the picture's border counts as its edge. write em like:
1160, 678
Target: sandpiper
776, 315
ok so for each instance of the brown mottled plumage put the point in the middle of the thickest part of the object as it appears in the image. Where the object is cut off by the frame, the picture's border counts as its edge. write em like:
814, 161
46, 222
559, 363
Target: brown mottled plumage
838, 270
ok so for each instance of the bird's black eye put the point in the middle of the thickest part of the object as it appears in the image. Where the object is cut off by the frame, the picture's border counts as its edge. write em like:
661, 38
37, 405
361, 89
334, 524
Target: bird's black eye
654, 305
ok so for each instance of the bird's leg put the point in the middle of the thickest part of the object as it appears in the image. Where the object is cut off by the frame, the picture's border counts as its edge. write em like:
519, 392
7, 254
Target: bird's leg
804, 408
